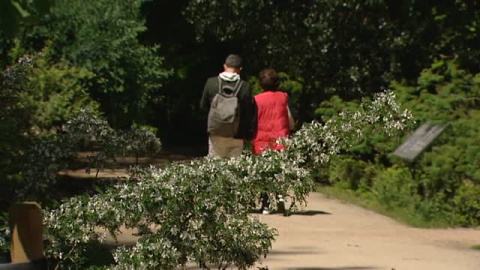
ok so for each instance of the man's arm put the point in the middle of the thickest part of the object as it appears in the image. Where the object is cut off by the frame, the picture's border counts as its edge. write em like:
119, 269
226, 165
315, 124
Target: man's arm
205, 101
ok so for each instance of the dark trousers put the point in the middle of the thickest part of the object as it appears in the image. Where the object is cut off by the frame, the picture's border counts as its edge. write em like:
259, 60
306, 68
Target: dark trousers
265, 200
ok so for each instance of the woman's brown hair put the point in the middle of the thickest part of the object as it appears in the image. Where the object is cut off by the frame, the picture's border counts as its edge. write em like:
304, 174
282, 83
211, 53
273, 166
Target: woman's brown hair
269, 79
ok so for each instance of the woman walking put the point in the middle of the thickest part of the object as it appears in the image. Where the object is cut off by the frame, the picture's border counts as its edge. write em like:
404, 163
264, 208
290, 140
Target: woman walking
274, 121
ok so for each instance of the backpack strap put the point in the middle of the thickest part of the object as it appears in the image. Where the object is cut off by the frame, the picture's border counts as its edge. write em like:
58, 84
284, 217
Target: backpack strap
236, 88
219, 85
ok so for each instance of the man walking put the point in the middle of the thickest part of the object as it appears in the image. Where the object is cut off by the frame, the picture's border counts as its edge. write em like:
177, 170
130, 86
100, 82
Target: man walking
231, 110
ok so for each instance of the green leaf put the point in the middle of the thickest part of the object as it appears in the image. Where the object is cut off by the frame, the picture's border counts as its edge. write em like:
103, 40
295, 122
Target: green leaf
20, 10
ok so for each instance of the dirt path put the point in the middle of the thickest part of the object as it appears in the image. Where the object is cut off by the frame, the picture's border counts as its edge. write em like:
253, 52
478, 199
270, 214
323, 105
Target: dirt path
332, 235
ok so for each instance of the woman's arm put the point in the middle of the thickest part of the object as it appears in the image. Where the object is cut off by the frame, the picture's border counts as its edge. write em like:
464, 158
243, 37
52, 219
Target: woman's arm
291, 121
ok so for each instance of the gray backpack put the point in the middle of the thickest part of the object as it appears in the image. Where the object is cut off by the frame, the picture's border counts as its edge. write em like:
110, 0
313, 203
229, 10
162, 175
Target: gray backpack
224, 114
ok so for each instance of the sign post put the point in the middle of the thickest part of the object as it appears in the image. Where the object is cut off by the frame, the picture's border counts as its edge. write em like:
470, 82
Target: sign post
420, 140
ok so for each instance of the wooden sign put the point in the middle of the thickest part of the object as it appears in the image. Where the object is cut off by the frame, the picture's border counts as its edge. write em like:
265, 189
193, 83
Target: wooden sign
419, 141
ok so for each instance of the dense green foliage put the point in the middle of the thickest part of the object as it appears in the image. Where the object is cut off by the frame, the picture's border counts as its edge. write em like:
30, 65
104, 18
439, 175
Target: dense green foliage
58, 57
102, 37
64, 56
442, 185
16, 15
14, 120
38, 96
350, 49
345, 48
55, 92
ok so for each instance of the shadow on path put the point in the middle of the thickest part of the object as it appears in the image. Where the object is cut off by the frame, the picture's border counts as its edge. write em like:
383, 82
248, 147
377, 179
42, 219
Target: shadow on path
296, 213
309, 213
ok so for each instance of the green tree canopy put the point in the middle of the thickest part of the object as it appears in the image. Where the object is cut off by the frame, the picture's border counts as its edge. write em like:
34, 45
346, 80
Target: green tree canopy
102, 36
346, 48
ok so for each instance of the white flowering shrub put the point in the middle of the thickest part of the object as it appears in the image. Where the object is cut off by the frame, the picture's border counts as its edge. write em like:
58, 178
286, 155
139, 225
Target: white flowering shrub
139, 141
87, 127
199, 211
4, 233
41, 164
50, 154
193, 212
316, 142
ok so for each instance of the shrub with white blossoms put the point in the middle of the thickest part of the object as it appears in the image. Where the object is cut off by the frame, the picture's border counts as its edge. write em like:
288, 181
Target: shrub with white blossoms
139, 141
87, 127
53, 153
4, 233
191, 212
316, 142
200, 211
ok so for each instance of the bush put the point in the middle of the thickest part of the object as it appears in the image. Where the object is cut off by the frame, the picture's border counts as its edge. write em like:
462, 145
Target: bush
467, 204
55, 92
347, 172
199, 211
433, 184
37, 96
395, 187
